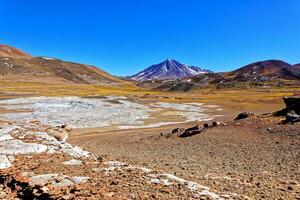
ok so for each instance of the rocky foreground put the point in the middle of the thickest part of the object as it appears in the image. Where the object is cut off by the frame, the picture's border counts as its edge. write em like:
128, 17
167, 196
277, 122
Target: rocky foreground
37, 163
252, 157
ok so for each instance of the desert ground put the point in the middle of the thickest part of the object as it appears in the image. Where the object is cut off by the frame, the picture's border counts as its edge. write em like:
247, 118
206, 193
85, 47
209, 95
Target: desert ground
253, 158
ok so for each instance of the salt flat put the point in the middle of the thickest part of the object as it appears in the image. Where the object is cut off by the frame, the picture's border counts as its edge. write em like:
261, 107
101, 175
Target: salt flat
78, 112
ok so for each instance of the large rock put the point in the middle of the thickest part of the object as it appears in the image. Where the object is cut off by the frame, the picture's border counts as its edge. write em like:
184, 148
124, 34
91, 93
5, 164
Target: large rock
244, 115
15, 147
291, 110
54, 180
291, 117
191, 131
292, 104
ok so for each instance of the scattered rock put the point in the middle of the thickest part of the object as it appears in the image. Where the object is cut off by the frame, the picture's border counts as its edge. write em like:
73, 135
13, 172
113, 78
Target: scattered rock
243, 115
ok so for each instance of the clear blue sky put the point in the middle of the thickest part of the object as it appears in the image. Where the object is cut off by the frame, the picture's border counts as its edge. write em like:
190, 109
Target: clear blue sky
125, 36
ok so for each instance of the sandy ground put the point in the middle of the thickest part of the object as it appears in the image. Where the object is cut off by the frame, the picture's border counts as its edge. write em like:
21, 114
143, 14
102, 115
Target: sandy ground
253, 157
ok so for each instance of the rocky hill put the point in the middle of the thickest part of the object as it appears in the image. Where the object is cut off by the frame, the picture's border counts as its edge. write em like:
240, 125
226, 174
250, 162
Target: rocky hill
19, 66
169, 69
266, 71
8, 51
262, 73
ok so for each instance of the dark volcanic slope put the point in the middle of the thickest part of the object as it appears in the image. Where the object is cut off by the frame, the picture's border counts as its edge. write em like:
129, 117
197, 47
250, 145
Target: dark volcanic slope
267, 70
169, 69
263, 72
22, 67
297, 66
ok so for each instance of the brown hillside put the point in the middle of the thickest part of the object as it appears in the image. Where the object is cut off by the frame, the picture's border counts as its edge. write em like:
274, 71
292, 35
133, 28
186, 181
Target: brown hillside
20, 66
8, 51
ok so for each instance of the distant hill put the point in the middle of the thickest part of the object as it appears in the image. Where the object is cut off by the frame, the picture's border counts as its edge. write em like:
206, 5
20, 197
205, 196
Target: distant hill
266, 71
8, 51
297, 66
17, 65
168, 69
262, 73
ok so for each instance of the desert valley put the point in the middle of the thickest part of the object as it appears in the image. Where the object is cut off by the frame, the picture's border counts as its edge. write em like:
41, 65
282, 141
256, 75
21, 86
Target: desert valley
172, 131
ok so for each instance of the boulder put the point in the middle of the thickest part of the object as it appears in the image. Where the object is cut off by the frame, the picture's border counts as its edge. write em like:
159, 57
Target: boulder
291, 117
191, 131
292, 104
54, 180
243, 115
194, 128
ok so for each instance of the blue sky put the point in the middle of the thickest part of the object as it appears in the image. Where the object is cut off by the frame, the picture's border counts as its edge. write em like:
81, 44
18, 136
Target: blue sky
125, 36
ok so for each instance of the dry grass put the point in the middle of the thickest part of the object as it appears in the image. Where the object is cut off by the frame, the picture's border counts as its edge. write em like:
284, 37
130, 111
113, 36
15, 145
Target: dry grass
260, 99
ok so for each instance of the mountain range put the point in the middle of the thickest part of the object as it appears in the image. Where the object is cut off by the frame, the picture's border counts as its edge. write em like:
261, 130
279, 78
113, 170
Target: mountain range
263, 73
168, 69
17, 65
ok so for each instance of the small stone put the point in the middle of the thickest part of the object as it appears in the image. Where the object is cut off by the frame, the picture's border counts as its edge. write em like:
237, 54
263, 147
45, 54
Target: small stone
4, 162
215, 123
290, 187
73, 162
113, 183
2, 195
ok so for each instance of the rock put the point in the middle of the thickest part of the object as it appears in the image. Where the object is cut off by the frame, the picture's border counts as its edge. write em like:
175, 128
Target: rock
176, 130
80, 179
243, 115
54, 180
60, 136
2, 195
14, 147
73, 162
290, 187
214, 124
6, 137
205, 125
42, 179
293, 103
191, 131
63, 126
193, 128
4, 162
291, 117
